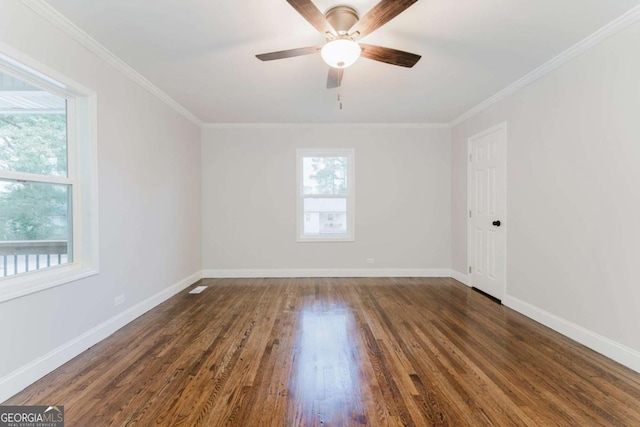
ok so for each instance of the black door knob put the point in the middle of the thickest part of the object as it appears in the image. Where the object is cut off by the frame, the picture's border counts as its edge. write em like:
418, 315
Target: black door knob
496, 223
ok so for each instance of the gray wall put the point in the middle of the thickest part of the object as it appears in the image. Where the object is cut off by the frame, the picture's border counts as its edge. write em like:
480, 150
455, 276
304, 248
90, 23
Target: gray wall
402, 198
149, 199
573, 190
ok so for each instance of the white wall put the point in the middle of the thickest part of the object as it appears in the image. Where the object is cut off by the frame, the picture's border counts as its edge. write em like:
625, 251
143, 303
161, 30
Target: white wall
573, 219
249, 198
149, 198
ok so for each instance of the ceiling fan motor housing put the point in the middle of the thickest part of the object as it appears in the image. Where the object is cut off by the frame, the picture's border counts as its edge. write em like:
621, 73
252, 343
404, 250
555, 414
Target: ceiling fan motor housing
342, 18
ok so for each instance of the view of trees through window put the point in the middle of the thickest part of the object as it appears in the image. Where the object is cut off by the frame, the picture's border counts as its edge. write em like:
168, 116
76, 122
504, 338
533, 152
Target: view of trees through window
328, 175
35, 144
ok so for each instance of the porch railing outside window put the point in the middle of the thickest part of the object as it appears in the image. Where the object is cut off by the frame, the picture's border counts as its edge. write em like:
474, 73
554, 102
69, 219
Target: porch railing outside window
28, 255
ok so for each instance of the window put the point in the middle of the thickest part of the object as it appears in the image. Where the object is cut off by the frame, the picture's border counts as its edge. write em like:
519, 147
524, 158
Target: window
47, 185
325, 208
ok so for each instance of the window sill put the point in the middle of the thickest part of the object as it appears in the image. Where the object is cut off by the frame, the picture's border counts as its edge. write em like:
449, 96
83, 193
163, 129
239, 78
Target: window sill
325, 239
29, 283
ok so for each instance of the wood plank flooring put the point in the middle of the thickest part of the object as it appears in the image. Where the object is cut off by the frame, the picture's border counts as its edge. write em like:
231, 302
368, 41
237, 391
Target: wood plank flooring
338, 352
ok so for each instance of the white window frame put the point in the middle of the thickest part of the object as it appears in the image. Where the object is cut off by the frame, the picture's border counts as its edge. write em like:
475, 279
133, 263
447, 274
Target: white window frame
349, 153
82, 176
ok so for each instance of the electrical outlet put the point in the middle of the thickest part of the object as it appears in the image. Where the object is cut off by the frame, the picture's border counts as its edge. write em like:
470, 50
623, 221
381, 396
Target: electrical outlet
371, 260
118, 300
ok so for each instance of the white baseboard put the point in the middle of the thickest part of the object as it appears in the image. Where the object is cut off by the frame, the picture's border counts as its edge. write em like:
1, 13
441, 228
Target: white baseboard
22, 377
603, 345
322, 272
461, 277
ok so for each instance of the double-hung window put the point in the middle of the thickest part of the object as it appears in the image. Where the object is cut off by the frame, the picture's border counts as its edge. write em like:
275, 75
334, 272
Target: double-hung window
47, 185
325, 208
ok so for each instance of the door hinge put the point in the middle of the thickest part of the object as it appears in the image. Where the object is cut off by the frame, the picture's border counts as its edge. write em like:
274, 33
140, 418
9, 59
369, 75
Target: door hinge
469, 214
470, 157
469, 269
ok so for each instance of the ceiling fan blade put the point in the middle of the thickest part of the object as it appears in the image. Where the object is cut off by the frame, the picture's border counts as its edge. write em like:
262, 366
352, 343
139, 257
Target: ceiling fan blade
288, 53
310, 12
388, 55
381, 13
334, 79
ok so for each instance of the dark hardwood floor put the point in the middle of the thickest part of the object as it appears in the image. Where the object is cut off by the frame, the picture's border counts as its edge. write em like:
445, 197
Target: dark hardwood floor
338, 352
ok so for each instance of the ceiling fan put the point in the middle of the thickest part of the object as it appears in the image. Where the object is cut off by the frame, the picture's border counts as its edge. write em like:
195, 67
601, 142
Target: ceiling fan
342, 28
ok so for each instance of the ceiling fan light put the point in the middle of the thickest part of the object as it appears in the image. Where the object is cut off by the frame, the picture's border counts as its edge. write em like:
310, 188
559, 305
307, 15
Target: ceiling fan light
341, 53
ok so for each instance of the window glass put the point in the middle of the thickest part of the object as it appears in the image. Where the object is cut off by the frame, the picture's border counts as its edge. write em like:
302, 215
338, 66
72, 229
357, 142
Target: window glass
325, 175
326, 216
326, 195
35, 187
34, 226
33, 129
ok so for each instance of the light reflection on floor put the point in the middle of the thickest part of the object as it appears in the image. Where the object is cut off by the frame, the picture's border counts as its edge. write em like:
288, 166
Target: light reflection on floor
325, 378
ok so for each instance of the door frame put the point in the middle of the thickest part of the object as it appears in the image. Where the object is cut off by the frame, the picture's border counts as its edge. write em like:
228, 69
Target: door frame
470, 240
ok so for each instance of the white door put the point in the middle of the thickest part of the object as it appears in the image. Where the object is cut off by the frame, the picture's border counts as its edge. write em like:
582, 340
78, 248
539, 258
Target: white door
487, 193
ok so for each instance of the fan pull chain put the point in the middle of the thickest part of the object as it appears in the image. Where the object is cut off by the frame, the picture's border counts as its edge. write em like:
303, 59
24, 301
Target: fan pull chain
340, 100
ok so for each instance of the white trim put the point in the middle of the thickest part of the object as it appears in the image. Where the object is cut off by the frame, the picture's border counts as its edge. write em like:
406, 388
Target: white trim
87, 111
489, 131
326, 272
46, 179
21, 65
350, 235
82, 171
615, 26
40, 280
61, 22
461, 277
612, 349
22, 377
326, 125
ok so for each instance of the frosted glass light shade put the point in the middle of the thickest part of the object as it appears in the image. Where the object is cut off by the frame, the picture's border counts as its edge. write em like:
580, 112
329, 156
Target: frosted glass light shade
340, 53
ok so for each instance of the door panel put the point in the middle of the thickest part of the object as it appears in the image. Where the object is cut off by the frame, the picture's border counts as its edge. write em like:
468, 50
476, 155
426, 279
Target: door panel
479, 263
487, 203
491, 255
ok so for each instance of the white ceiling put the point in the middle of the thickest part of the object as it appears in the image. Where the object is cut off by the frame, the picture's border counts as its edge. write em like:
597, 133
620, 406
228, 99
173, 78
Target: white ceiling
201, 53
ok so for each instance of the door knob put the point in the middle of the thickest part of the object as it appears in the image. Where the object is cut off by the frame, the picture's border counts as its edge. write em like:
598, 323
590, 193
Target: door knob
496, 223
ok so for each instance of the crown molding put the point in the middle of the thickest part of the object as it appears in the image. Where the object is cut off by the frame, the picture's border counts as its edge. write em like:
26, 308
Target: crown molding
326, 125
615, 26
60, 21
